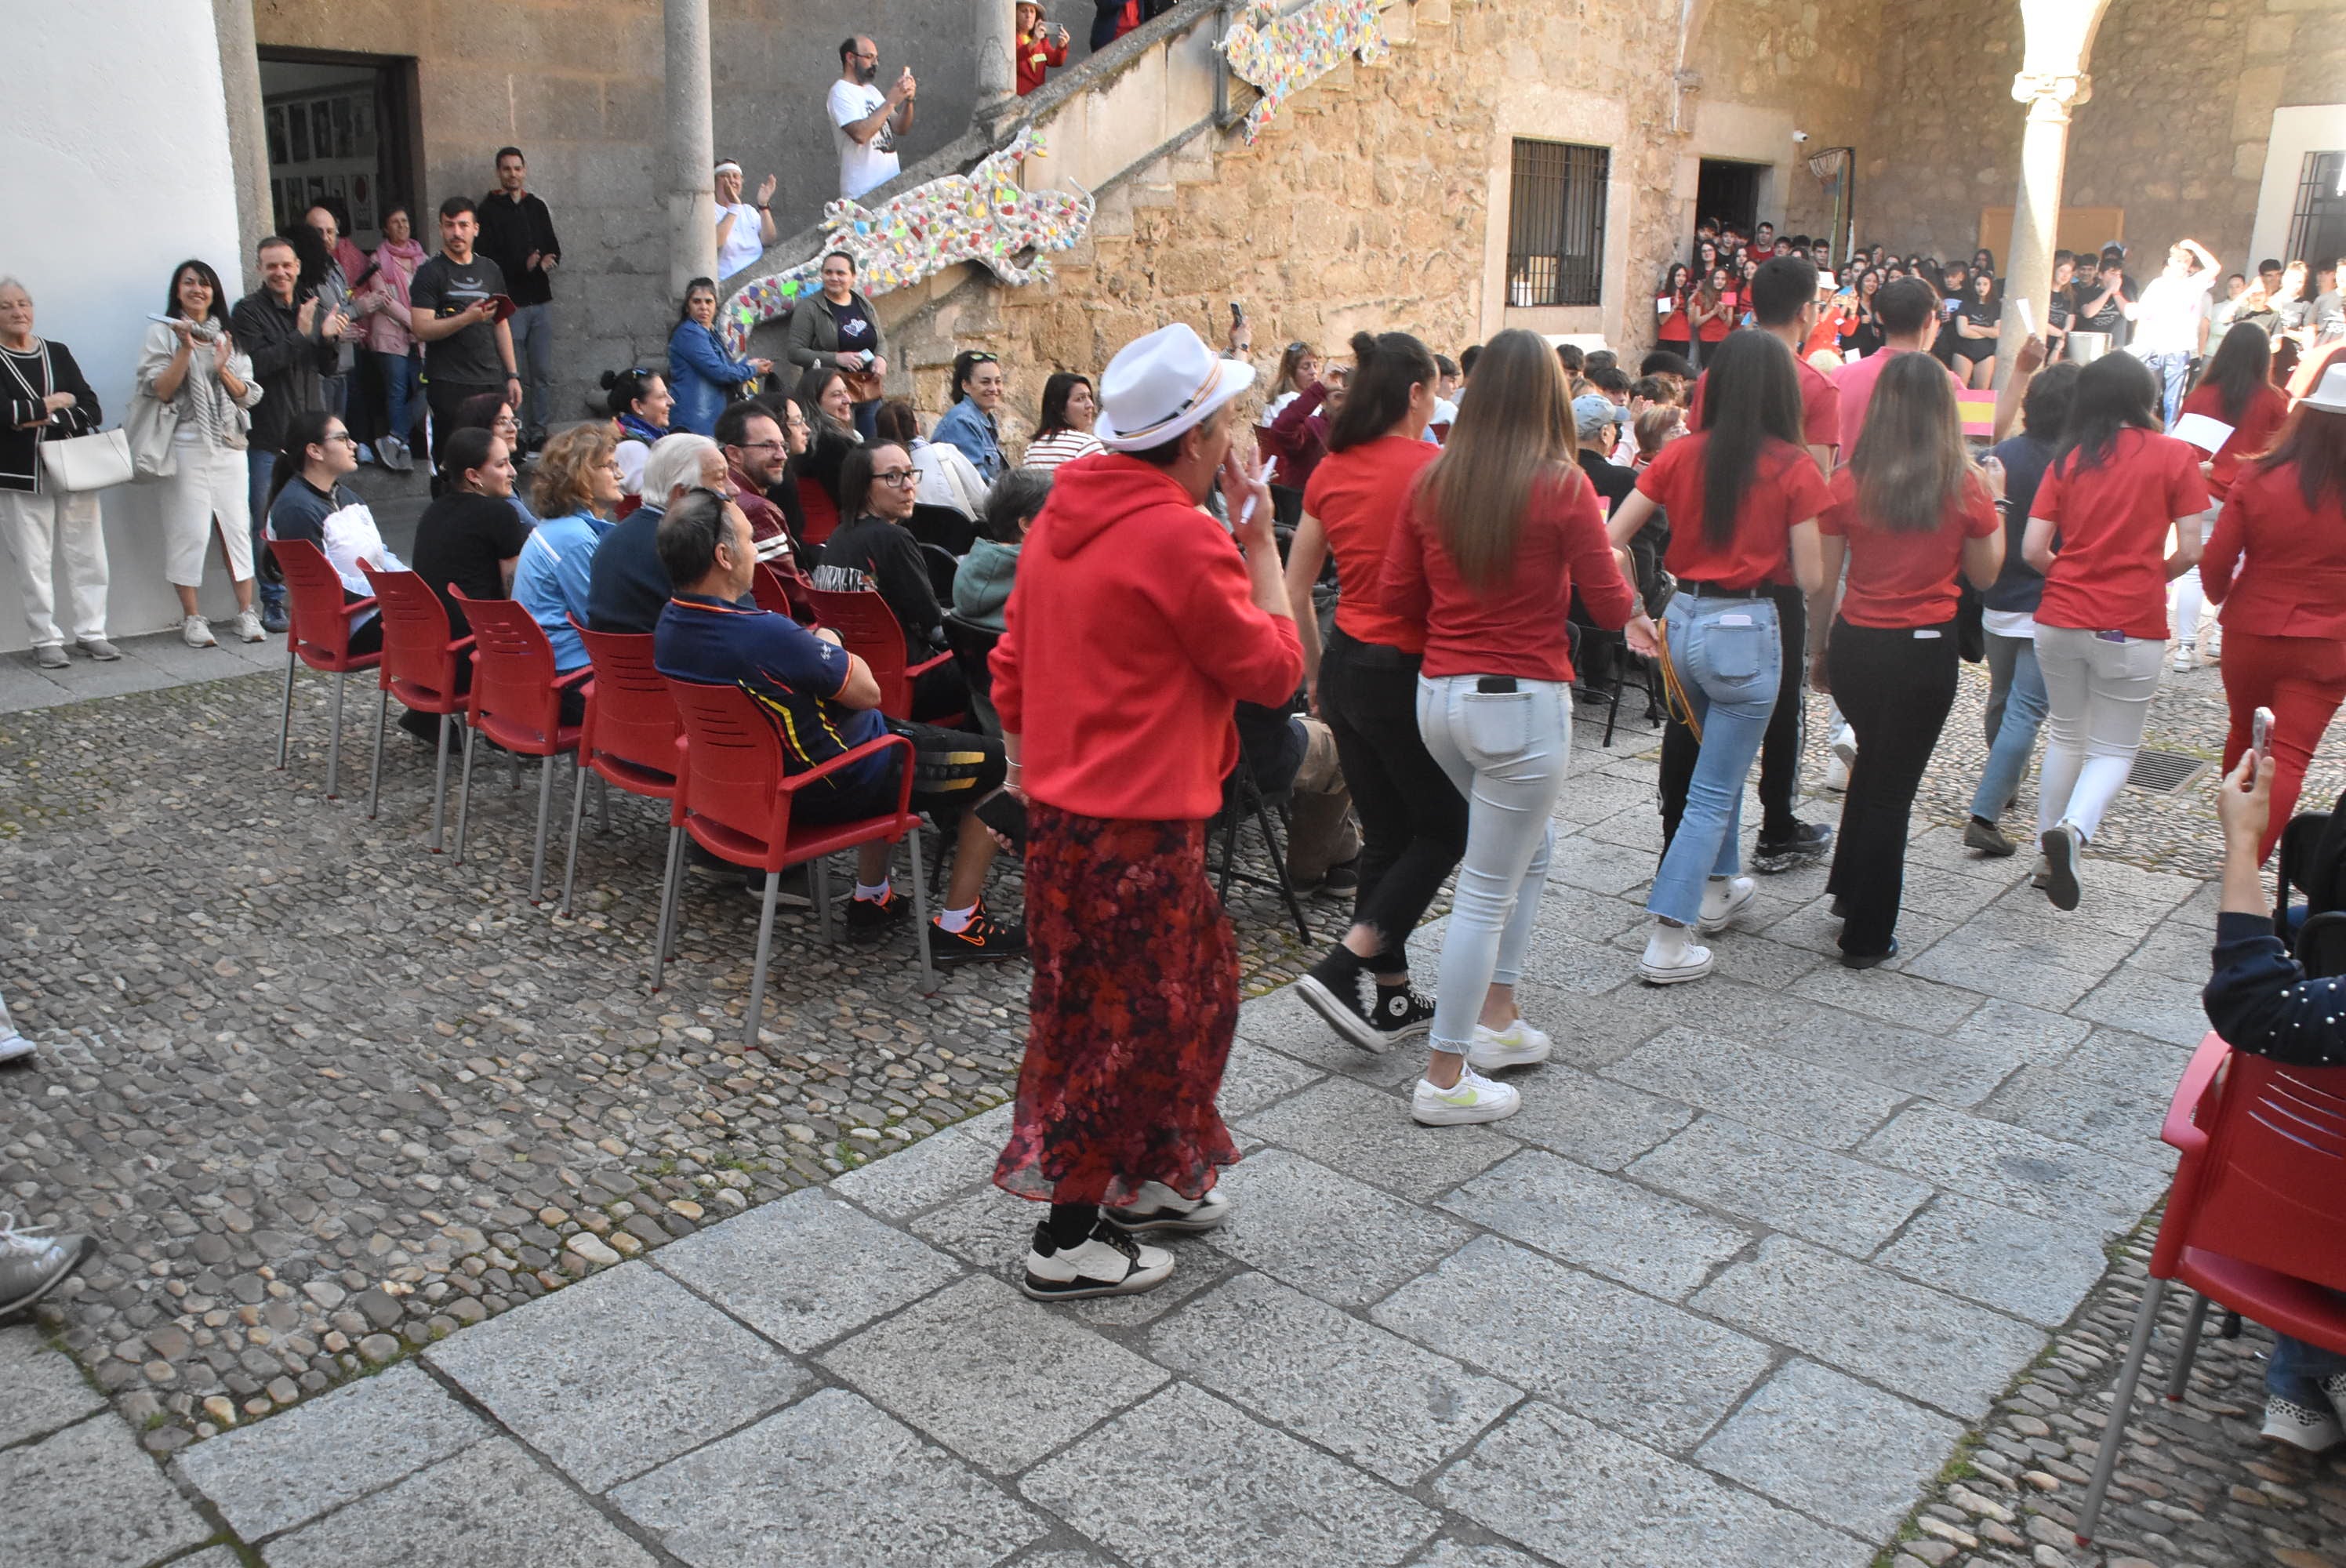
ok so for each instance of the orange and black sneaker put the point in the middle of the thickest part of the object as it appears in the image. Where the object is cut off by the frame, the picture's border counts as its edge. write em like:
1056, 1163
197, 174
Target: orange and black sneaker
877, 914
983, 937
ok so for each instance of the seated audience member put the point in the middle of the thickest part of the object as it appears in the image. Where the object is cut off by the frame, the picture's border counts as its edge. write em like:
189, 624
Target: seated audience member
1064, 432
626, 585
2261, 1002
823, 701
576, 487
947, 478
982, 585
471, 537
873, 552
1286, 752
831, 436
1592, 417
756, 454
309, 501
491, 412
639, 405
972, 423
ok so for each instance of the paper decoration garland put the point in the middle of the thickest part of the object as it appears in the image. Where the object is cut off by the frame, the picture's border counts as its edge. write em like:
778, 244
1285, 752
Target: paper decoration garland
984, 216
1284, 55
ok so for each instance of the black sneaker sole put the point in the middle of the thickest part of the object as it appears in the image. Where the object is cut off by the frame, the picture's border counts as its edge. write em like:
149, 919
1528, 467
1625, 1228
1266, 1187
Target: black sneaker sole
2060, 868
1769, 862
89, 1251
1132, 1284
944, 950
1340, 1018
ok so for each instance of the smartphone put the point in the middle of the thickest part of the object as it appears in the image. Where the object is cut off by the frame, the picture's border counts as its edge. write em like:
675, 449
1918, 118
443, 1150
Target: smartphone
1006, 815
1237, 315
2262, 733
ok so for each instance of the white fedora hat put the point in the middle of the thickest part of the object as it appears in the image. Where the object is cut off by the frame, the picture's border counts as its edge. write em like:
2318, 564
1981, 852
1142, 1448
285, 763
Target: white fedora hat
1161, 385
2329, 396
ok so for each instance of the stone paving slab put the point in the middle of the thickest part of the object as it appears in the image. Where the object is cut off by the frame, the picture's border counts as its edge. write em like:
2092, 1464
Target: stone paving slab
1326, 1234
2016, 1168
1751, 1083
45, 1390
1785, 1184
2031, 1268
86, 1498
1603, 1224
1351, 1128
1842, 1450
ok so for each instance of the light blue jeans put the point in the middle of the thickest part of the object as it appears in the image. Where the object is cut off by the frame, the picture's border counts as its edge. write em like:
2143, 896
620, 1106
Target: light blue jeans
1506, 751
2297, 1370
259, 466
2016, 709
1730, 659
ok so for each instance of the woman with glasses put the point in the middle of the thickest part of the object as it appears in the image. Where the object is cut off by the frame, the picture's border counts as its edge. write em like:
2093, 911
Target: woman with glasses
972, 423
575, 484
192, 366
873, 552
839, 329
307, 500
702, 375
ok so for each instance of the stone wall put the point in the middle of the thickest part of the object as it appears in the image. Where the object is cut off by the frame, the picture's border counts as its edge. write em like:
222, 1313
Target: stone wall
1814, 57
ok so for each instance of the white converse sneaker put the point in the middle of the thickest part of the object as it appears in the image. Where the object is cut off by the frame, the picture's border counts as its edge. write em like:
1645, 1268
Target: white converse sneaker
249, 628
1106, 1263
1474, 1098
2187, 654
2314, 1430
1517, 1045
1673, 957
1723, 898
1158, 1207
197, 633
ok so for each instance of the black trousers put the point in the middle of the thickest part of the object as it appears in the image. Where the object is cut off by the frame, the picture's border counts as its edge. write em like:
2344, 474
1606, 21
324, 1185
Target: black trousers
1895, 685
444, 398
1779, 750
1412, 819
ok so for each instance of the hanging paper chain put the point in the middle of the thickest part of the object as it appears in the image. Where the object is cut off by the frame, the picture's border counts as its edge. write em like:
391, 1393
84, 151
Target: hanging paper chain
1284, 55
984, 216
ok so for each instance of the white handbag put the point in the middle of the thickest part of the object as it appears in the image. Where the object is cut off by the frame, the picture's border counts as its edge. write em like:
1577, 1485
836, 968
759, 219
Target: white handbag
93, 461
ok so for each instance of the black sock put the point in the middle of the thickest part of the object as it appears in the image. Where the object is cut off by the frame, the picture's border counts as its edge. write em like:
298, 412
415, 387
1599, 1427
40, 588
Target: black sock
1341, 963
1071, 1222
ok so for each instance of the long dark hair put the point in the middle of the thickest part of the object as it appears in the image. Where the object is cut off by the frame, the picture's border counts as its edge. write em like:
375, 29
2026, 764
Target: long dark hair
811, 388
855, 478
1751, 396
1056, 393
201, 270
1910, 463
2116, 393
1385, 365
302, 431
1514, 428
465, 451
2242, 364
1675, 281
627, 388
2315, 440
684, 306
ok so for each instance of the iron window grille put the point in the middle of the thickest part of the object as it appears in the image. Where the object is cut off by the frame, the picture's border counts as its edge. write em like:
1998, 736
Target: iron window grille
1556, 224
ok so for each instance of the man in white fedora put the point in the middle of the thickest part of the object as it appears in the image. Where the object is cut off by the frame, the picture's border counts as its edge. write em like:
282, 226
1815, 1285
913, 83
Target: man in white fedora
1133, 629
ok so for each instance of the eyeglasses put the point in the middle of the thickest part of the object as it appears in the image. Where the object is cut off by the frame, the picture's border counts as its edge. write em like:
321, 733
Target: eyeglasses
342, 435
760, 446
898, 478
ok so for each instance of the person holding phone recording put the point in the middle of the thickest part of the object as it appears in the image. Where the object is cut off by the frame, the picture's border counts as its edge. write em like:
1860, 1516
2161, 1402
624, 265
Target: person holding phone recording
457, 309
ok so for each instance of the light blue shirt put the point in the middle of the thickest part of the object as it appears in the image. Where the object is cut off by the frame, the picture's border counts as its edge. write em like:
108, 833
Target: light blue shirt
965, 426
550, 580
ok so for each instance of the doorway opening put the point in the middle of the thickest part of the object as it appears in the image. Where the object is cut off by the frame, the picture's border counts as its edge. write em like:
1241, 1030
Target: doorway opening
1729, 191
342, 130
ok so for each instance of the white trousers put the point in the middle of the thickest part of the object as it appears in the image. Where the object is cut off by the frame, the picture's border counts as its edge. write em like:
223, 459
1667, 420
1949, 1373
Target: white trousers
206, 482
2100, 695
36, 527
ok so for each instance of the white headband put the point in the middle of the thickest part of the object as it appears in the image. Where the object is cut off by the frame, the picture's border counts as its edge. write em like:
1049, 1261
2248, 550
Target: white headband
728, 166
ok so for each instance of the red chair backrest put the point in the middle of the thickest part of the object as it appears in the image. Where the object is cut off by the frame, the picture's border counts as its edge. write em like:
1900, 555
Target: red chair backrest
733, 762
767, 587
821, 512
419, 657
2270, 1189
630, 715
315, 589
867, 628
513, 697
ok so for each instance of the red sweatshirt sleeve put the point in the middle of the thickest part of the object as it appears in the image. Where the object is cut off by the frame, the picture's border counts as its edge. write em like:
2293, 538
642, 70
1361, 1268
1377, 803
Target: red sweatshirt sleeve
1251, 654
1009, 696
1589, 558
1402, 586
2221, 558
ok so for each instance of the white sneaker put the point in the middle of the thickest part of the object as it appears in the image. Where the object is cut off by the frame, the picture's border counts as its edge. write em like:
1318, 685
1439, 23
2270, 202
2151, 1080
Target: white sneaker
1723, 898
2042, 876
1158, 1207
14, 1047
1517, 1045
1836, 774
2314, 1430
2062, 846
1474, 1098
1106, 1263
2186, 656
197, 633
1673, 957
249, 628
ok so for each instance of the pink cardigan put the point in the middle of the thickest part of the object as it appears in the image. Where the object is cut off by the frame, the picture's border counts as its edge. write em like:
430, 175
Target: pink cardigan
386, 327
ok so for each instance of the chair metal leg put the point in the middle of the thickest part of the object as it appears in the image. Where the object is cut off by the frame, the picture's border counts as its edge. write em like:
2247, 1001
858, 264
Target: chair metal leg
374, 769
1613, 714
577, 816
602, 799
538, 847
765, 950
464, 796
920, 909
2113, 1435
334, 747
1278, 865
440, 784
667, 906
285, 717
2178, 1379
1229, 853
819, 888
513, 770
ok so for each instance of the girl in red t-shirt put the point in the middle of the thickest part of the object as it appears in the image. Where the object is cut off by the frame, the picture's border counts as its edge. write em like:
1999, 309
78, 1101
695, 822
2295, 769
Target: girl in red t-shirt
1743, 496
2237, 390
1677, 328
1714, 310
1907, 513
2112, 497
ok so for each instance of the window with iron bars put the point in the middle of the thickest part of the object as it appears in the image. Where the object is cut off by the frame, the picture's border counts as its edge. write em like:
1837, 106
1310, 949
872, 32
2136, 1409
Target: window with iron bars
2316, 229
1556, 224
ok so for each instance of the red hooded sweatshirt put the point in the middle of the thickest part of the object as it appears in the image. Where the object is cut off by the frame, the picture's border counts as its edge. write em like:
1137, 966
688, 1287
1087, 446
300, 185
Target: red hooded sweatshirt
1132, 633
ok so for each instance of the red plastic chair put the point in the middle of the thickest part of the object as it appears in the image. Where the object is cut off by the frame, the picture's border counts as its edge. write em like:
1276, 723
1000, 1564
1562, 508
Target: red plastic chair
818, 510
867, 628
734, 799
630, 734
419, 665
2255, 1220
318, 634
515, 701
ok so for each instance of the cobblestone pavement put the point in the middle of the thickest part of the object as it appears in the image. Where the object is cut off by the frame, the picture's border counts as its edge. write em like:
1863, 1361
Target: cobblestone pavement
326, 1099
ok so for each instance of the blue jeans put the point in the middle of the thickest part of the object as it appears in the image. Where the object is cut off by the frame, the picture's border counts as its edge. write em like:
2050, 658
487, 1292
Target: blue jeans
1506, 751
2297, 1371
259, 465
533, 342
2170, 370
1730, 659
400, 391
2015, 711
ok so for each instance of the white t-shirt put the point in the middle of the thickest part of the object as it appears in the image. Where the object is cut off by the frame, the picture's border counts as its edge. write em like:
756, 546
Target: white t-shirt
2167, 318
745, 244
861, 164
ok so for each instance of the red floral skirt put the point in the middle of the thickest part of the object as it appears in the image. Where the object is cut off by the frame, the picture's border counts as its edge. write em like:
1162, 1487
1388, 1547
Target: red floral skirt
1133, 1004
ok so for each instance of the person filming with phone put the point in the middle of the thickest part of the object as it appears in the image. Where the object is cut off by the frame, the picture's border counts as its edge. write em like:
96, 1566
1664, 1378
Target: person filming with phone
865, 121
458, 306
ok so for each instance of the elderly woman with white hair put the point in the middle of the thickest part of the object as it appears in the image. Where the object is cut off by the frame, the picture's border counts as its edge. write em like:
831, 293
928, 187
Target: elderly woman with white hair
44, 398
627, 586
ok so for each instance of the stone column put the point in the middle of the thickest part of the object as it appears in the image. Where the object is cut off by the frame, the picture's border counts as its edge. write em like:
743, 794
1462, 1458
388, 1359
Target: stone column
2036, 208
994, 38
691, 146
248, 143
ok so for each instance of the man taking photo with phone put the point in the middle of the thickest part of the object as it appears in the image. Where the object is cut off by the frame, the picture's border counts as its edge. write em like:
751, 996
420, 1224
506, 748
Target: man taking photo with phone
459, 303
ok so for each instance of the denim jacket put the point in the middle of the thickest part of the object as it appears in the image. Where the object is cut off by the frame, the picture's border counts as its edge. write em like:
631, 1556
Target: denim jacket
968, 428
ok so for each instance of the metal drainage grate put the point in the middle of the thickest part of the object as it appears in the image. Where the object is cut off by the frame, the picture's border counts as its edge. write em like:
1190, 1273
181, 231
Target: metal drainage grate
2165, 772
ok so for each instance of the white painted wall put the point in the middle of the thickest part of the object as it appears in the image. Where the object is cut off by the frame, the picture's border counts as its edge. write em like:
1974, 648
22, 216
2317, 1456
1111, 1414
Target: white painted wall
2315, 127
114, 166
